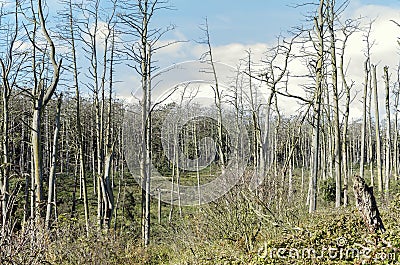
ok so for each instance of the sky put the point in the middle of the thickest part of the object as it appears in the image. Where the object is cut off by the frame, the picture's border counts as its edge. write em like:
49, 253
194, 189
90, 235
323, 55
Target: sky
232, 21
237, 26
246, 22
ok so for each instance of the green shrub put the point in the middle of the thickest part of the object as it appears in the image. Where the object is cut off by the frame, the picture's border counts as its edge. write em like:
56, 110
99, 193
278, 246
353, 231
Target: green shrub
328, 189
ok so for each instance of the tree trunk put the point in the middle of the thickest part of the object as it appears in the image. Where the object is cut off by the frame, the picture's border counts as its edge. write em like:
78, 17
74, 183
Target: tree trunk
366, 204
41, 96
338, 161
37, 161
217, 100
108, 197
4, 184
388, 132
377, 131
395, 133
82, 174
52, 176
345, 126
317, 109
364, 120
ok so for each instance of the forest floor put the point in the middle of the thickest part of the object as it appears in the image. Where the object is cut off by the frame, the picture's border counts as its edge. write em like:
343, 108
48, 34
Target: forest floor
238, 228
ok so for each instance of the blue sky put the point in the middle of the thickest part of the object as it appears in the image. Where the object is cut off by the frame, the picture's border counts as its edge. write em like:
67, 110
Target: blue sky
246, 22
237, 26
232, 21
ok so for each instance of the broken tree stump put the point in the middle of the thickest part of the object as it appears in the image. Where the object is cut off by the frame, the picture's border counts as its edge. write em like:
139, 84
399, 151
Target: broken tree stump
366, 204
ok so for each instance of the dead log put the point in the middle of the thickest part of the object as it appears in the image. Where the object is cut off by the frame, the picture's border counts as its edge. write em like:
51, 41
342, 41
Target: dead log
366, 204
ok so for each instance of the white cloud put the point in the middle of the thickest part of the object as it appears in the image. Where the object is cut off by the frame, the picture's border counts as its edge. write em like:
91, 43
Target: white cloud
187, 51
385, 52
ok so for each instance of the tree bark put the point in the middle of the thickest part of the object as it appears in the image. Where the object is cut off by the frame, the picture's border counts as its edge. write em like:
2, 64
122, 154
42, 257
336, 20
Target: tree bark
377, 131
336, 124
388, 131
41, 96
364, 119
317, 108
366, 204
80, 141
52, 175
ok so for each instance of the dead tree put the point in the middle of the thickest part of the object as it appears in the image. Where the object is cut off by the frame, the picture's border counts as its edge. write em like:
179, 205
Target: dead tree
377, 130
137, 21
41, 95
388, 131
366, 204
52, 177
10, 66
319, 43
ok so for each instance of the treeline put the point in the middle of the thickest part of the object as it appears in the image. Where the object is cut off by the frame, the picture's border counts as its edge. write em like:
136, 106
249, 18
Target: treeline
68, 152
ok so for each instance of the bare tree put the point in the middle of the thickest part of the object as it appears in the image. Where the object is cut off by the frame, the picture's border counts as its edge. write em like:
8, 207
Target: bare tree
377, 130
273, 75
52, 177
347, 31
218, 94
71, 36
388, 130
396, 92
364, 118
319, 44
337, 146
72, 26
95, 35
140, 46
10, 68
41, 95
